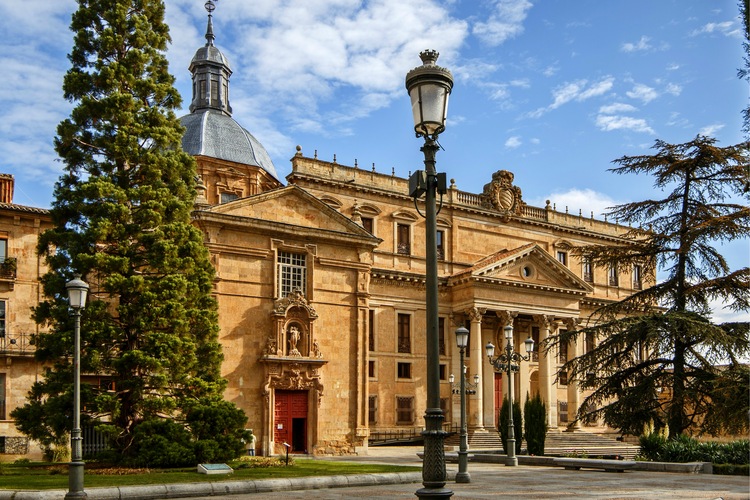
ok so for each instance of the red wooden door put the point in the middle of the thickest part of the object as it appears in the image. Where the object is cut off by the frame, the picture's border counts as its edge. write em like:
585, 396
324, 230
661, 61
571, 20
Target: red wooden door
290, 420
498, 397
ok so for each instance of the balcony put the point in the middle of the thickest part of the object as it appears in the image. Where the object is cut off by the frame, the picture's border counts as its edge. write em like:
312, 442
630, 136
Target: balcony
8, 269
17, 344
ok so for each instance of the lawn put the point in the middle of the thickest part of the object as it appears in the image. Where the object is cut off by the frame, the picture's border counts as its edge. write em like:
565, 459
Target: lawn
36, 476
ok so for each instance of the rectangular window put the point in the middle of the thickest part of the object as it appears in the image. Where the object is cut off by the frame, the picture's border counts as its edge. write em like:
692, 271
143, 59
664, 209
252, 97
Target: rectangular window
562, 411
440, 240
371, 369
563, 350
441, 335
372, 410
403, 239
2, 397
404, 333
2, 318
590, 341
637, 277
613, 279
3, 249
292, 273
203, 90
227, 197
562, 257
371, 329
404, 370
404, 410
442, 369
588, 270
563, 378
215, 91
367, 223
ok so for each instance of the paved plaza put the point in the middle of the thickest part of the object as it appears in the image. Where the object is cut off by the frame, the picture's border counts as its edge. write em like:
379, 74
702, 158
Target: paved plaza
487, 481
527, 482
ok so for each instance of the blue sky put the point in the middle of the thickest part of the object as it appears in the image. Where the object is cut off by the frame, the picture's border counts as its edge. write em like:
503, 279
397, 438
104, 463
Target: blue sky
551, 90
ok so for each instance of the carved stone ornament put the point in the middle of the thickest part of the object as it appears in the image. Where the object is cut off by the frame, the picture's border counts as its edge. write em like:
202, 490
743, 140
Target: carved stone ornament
295, 377
501, 194
294, 299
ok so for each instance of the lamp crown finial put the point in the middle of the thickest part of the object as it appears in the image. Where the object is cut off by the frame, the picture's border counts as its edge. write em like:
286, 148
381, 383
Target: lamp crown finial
429, 57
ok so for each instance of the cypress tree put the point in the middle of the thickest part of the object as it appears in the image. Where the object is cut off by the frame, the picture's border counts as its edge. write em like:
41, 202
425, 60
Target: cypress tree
121, 217
535, 424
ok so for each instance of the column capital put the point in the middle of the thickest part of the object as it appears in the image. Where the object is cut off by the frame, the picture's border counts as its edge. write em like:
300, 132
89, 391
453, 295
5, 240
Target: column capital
475, 313
572, 323
506, 317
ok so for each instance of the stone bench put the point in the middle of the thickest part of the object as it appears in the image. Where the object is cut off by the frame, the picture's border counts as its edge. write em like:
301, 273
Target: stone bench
592, 463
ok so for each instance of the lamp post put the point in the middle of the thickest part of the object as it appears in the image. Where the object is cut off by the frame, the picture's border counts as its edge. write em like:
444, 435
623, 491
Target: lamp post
509, 362
429, 86
77, 291
462, 338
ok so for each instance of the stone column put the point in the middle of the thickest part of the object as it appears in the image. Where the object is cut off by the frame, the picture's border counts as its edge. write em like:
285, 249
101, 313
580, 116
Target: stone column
574, 350
475, 352
547, 327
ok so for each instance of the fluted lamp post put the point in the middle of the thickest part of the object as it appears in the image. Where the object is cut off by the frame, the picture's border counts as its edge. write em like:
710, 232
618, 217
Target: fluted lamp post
509, 362
77, 292
463, 476
429, 86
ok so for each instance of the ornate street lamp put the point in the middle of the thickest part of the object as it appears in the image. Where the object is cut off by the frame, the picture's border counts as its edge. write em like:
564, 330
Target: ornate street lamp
77, 292
509, 362
462, 338
429, 86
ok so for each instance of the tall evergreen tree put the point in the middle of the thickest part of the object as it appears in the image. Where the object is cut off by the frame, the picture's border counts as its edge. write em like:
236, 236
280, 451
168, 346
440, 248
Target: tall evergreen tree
121, 219
744, 72
659, 351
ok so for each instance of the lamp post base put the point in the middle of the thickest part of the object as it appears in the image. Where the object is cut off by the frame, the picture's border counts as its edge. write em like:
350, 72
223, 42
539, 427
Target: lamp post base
463, 477
75, 481
511, 462
434, 493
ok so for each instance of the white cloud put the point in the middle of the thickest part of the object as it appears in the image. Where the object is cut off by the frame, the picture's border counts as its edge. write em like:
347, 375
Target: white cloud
673, 88
613, 122
726, 28
617, 107
640, 45
642, 93
513, 142
575, 200
505, 22
711, 130
578, 90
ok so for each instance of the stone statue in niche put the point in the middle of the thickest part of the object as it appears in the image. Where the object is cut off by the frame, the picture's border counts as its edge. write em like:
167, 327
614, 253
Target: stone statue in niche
294, 336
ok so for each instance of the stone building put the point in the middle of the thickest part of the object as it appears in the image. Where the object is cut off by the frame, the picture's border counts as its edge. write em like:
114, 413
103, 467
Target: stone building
20, 290
321, 288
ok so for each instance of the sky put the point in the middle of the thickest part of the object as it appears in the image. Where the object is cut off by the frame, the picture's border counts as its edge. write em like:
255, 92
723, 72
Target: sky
552, 90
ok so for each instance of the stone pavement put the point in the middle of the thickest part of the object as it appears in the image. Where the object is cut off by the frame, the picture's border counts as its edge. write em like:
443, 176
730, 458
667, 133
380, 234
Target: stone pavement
487, 481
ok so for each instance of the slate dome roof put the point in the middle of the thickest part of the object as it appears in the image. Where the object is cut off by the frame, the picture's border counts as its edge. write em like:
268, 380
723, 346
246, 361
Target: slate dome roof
214, 134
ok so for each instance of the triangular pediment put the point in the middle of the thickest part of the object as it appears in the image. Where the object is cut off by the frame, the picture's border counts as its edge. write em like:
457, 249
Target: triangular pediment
529, 266
291, 206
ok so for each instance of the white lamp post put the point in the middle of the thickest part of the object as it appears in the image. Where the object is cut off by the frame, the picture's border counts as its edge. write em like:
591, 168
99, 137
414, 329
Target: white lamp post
509, 362
77, 292
429, 86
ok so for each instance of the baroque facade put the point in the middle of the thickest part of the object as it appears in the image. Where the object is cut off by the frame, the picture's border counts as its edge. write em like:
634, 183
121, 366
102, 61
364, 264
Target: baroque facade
320, 283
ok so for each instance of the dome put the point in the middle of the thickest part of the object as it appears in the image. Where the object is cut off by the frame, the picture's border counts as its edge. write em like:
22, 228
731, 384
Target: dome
211, 55
214, 134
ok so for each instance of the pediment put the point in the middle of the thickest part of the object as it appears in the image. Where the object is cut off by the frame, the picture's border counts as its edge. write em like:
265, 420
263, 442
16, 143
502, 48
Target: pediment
291, 206
529, 266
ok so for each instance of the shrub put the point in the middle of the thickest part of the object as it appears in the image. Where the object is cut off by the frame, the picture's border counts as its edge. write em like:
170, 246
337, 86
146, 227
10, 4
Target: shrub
218, 428
161, 443
657, 448
732, 470
535, 424
517, 425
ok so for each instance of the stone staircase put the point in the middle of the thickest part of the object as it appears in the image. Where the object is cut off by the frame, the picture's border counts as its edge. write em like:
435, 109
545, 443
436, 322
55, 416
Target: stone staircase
558, 442
581, 443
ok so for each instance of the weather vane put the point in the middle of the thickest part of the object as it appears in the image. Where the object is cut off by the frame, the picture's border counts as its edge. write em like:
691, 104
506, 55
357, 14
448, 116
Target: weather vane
210, 7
